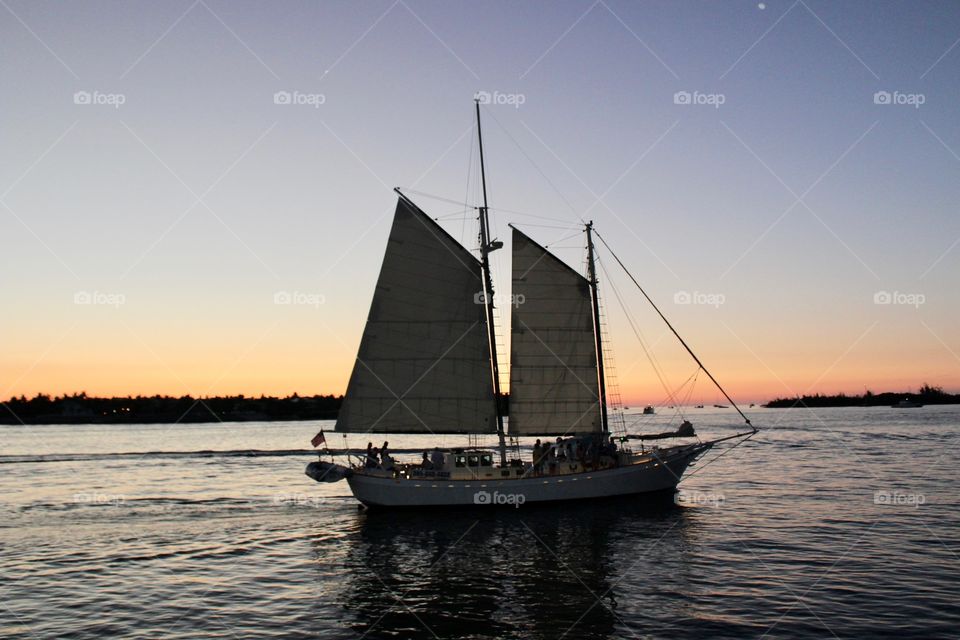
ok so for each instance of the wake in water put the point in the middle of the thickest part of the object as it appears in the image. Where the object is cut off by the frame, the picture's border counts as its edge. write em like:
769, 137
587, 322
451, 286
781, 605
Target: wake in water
126, 455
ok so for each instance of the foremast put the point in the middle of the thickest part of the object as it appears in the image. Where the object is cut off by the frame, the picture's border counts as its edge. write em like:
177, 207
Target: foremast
595, 300
488, 246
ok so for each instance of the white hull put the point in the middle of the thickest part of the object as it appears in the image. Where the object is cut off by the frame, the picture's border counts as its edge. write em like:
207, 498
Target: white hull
644, 477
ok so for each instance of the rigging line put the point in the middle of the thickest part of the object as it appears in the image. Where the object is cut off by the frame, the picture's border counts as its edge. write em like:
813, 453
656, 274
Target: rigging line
466, 195
535, 165
678, 406
466, 205
460, 213
685, 345
725, 452
553, 245
686, 399
636, 332
528, 215
532, 224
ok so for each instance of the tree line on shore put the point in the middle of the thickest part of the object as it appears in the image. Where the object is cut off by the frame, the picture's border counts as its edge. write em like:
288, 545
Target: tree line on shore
926, 395
79, 408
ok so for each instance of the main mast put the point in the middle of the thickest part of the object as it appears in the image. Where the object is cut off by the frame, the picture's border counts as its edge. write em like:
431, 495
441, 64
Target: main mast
595, 299
486, 247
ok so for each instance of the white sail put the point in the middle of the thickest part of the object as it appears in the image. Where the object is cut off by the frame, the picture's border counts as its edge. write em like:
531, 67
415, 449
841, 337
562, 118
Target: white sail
424, 359
553, 361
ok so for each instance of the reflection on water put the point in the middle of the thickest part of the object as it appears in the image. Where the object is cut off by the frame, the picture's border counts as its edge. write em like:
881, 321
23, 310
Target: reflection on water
533, 573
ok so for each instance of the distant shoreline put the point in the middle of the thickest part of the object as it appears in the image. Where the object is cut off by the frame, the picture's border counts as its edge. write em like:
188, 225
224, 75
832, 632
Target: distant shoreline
926, 395
80, 408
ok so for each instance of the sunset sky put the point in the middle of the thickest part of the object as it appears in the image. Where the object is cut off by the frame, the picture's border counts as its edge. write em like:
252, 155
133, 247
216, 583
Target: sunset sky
791, 166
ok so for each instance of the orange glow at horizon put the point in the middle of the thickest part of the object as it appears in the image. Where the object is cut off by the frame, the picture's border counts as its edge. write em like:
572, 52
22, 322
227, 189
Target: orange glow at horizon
279, 364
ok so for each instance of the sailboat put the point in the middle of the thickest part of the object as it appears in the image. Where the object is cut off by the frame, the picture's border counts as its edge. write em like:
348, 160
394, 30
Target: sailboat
428, 364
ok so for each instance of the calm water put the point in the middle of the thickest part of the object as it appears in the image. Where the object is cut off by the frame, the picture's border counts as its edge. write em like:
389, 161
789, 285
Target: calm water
838, 522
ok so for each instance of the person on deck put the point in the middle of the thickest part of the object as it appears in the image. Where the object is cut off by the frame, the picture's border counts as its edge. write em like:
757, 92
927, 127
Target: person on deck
437, 458
537, 456
371, 461
386, 460
425, 463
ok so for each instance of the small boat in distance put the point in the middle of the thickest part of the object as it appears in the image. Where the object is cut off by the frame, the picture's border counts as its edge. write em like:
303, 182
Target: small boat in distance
721, 406
427, 364
649, 410
906, 403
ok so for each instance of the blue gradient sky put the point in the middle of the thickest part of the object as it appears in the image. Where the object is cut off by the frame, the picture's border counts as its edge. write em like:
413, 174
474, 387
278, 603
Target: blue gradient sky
199, 198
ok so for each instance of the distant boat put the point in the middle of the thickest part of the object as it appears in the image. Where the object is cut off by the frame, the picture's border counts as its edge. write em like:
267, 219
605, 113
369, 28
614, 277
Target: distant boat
649, 411
906, 403
699, 406
430, 335
721, 406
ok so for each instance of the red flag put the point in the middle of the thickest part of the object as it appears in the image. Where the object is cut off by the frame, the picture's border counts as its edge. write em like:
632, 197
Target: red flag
318, 439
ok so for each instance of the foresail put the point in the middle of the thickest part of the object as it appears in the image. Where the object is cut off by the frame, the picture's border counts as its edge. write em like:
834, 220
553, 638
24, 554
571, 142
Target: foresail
424, 359
553, 363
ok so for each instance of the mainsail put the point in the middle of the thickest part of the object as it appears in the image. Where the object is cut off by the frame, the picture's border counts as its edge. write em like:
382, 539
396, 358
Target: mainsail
553, 361
424, 359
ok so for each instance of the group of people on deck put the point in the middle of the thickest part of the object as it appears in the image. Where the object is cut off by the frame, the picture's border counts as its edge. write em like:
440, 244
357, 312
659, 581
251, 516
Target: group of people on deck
378, 458
432, 461
588, 451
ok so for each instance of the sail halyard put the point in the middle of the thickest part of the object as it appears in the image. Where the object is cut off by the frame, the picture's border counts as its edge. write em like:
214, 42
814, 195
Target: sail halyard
423, 362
